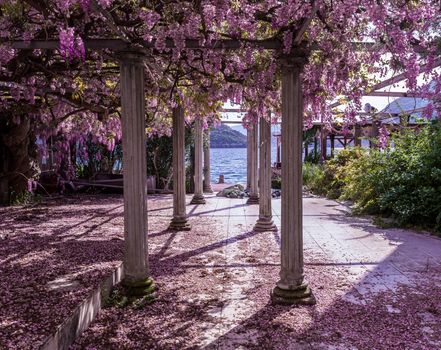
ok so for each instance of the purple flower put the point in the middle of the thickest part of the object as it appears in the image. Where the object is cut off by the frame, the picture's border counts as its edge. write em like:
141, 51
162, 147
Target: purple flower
71, 46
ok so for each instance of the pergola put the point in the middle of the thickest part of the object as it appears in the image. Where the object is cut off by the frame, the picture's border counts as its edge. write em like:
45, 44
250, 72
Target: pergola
291, 287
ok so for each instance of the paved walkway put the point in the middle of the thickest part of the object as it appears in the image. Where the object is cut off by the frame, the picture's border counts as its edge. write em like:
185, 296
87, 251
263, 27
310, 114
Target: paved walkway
376, 288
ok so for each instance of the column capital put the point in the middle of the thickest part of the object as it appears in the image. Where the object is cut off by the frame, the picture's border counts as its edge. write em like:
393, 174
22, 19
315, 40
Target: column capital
296, 59
132, 56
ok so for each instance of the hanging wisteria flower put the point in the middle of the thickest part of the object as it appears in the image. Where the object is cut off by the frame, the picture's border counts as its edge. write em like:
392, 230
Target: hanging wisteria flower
404, 34
105, 3
150, 18
383, 138
71, 45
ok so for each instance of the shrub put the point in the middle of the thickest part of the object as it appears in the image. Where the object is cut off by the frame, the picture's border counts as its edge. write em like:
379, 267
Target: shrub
276, 183
403, 182
363, 181
329, 179
313, 178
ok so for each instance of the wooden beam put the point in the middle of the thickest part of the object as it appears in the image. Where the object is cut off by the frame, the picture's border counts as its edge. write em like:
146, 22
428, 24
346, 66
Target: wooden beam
96, 44
117, 44
394, 80
392, 94
233, 110
231, 122
221, 44
305, 24
400, 77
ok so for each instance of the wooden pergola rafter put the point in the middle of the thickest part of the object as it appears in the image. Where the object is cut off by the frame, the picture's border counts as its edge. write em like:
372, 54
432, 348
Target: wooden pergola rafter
190, 44
373, 91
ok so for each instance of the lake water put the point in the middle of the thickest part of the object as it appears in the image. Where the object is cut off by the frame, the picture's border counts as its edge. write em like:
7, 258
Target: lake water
232, 163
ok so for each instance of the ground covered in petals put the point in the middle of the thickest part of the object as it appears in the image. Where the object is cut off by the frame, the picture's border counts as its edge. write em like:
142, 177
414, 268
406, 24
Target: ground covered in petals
375, 288
52, 255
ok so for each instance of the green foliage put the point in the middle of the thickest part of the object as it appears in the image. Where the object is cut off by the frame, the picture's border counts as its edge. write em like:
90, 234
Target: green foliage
402, 183
119, 298
313, 178
23, 198
363, 182
308, 139
276, 183
98, 160
313, 157
160, 159
329, 179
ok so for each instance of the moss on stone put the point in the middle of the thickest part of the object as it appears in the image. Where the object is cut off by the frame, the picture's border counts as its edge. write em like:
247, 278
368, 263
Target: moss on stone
132, 294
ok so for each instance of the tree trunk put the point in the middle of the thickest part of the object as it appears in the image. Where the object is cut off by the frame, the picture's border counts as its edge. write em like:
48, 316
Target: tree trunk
18, 155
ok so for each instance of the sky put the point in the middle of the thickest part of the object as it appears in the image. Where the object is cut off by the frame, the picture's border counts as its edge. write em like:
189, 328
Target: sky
376, 101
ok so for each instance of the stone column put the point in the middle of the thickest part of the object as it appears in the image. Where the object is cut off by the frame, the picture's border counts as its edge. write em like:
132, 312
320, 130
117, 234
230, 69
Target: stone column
292, 288
137, 279
375, 131
332, 138
4, 182
278, 159
323, 144
265, 221
357, 135
207, 168
198, 197
249, 143
252, 145
315, 146
179, 221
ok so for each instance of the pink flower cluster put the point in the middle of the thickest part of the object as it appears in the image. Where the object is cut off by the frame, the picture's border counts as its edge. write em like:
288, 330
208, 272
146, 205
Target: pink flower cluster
73, 96
71, 45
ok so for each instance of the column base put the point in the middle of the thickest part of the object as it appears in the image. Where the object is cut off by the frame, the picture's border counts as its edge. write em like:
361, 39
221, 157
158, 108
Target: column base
198, 199
208, 190
302, 295
265, 225
179, 224
142, 288
253, 200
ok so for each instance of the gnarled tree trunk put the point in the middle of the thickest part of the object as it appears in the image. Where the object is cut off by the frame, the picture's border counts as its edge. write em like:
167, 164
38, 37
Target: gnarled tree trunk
18, 154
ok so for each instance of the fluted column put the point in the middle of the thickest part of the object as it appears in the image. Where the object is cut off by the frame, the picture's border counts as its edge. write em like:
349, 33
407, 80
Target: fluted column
265, 221
198, 197
332, 138
207, 167
137, 279
375, 131
357, 135
249, 143
252, 145
179, 221
292, 288
323, 143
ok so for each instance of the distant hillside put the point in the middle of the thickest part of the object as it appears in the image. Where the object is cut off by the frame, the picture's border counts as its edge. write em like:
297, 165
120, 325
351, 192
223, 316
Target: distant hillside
275, 129
225, 137
239, 128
